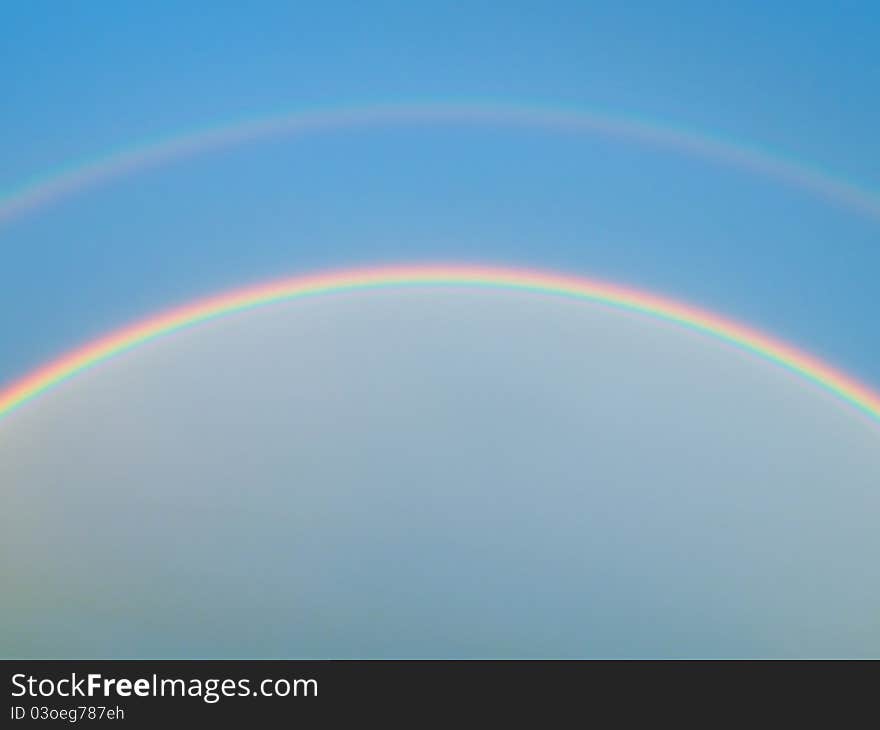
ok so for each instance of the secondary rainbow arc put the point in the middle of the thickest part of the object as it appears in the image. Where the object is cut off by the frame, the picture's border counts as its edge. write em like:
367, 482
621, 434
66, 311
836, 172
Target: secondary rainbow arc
41, 191
810, 368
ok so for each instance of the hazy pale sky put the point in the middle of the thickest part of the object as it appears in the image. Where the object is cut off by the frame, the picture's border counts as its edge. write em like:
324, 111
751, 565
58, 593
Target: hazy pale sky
439, 473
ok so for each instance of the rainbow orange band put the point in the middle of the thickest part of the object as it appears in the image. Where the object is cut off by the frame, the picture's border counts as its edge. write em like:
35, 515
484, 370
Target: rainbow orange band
748, 339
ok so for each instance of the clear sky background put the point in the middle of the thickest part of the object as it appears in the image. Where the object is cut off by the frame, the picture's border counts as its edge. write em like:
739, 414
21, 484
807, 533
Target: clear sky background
79, 79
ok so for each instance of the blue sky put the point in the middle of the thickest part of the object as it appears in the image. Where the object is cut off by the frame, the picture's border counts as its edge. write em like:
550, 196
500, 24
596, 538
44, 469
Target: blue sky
80, 79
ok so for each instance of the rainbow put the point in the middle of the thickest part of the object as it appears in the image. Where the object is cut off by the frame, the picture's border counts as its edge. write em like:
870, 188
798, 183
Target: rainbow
783, 355
68, 180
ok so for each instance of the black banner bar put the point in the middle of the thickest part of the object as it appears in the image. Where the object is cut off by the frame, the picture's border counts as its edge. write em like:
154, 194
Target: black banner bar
146, 693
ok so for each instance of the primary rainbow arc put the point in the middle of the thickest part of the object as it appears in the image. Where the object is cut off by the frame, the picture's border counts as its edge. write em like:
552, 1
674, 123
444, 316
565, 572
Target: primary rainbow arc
843, 386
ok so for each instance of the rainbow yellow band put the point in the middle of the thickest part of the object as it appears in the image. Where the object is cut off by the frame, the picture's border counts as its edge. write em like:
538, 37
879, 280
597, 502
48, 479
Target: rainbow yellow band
824, 375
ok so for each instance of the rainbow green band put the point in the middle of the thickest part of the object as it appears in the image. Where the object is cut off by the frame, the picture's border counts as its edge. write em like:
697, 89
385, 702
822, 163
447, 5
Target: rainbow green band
43, 190
748, 339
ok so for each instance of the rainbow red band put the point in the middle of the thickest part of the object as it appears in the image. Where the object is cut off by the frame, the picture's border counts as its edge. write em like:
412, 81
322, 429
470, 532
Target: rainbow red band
51, 375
